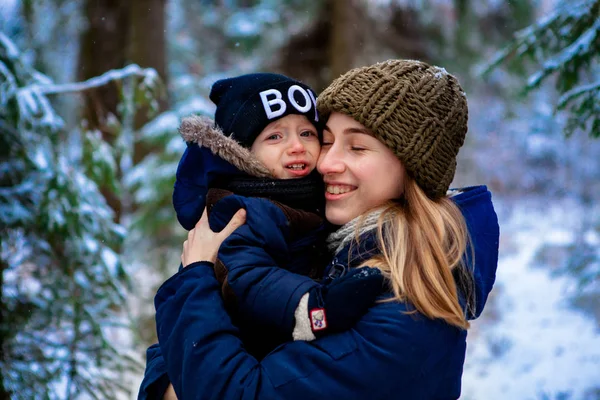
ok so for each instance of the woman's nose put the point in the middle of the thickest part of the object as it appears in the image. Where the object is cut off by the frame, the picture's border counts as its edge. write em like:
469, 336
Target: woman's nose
330, 162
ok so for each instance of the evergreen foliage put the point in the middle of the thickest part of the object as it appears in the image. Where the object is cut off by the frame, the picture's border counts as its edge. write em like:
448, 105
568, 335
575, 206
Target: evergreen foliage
565, 45
63, 283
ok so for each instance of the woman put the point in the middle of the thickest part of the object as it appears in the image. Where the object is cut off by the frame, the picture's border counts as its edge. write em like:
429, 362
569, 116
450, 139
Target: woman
389, 155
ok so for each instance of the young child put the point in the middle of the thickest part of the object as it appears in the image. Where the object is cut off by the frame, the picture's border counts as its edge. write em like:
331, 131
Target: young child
264, 142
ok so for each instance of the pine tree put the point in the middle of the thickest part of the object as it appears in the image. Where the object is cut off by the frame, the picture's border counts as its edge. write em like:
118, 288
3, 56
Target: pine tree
63, 286
564, 45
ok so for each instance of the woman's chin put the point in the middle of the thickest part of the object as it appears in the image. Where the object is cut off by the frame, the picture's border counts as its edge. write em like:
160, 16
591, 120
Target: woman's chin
337, 216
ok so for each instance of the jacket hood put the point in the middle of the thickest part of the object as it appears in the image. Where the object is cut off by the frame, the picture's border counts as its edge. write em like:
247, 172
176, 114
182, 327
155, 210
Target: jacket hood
209, 157
475, 203
204, 132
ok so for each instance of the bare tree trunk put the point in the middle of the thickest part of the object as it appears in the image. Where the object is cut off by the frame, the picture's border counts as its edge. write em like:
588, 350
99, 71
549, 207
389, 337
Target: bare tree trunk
406, 36
332, 45
120, 32
326, 49
102, 48
342, 43
147, 45
147, 48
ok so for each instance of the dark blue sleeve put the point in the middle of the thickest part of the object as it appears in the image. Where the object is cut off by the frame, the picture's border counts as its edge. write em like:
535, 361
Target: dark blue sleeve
267, 294
190, 317
155, 382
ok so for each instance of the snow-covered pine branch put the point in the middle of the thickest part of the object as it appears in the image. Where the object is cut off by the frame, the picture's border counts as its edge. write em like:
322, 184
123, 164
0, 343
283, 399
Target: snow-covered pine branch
149, 75
581, 47
566, 45
593, 89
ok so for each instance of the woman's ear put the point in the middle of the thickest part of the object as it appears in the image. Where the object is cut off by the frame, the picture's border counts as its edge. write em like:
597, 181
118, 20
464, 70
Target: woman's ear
404, 183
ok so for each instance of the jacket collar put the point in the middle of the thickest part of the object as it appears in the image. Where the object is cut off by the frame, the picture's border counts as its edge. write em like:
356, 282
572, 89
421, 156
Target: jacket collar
353, 254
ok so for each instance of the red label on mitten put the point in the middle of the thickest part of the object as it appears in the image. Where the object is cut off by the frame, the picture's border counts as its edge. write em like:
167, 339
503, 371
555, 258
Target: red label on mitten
318, 320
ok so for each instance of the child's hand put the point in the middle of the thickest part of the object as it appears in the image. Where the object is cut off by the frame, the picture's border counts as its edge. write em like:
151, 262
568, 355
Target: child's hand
203, 244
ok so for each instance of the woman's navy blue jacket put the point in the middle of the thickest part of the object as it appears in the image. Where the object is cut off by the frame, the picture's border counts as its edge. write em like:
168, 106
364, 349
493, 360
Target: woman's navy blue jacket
388, 354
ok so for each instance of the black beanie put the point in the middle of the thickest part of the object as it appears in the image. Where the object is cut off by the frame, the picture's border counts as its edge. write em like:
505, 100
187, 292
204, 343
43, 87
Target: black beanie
248, 103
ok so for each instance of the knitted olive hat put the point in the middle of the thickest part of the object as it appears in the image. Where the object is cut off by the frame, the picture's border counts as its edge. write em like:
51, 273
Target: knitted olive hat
418, 111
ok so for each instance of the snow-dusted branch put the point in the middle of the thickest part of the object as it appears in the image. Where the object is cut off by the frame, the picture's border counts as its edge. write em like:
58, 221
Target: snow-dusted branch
576, 92
582, 45
150, 76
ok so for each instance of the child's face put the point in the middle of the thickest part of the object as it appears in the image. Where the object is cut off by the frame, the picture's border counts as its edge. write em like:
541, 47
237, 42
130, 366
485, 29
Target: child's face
288, 147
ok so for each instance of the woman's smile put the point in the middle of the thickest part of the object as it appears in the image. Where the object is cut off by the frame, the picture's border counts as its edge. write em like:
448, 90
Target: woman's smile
335, 191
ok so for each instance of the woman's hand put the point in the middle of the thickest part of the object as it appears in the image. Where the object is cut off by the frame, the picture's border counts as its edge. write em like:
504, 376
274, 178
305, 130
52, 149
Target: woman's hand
203, 244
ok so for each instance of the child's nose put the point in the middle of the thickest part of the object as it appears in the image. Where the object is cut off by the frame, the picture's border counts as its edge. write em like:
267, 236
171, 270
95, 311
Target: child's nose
296, 146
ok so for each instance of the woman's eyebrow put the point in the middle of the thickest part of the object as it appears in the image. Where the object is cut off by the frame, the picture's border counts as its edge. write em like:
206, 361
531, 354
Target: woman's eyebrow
352, 130
364, 131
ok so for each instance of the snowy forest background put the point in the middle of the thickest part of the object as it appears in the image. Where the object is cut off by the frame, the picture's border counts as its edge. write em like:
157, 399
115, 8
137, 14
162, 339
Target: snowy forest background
91, 94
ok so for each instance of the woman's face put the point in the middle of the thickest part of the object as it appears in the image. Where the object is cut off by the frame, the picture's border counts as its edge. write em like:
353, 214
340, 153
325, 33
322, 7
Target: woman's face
359, 171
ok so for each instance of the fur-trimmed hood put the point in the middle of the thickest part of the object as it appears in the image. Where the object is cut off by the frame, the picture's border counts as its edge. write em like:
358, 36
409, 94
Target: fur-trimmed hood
204, 132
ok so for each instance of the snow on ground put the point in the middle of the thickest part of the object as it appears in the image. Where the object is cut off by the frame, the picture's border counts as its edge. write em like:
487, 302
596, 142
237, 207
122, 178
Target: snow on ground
530, 343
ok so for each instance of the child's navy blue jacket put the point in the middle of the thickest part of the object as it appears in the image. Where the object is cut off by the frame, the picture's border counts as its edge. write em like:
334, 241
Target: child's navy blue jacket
212, 162
389, 354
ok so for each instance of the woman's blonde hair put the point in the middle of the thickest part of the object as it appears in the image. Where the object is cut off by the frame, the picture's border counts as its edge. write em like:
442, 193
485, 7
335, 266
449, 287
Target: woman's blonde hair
423, 244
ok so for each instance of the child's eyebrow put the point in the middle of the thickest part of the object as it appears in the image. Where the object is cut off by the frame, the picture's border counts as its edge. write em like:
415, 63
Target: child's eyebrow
276, 125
